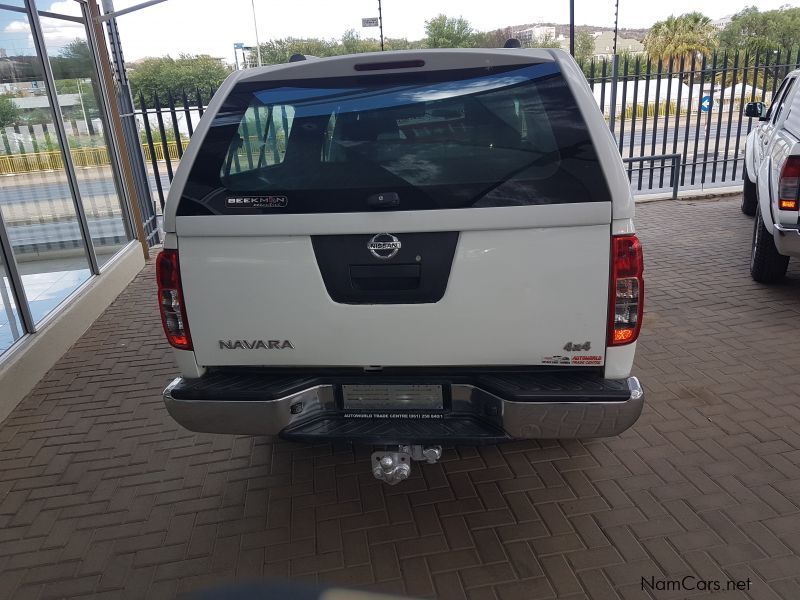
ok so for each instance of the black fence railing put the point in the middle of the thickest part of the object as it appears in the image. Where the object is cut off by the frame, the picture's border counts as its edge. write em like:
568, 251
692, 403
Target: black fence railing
166, 124
692, 107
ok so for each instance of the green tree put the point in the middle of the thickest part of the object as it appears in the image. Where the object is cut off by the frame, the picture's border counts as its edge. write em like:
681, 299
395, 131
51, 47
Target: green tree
401, 44
280, 50
584, 46
493, 39
449, 32
73, 61
757, 32
353, 43
684, 36
74, 73
166, 75
636, 64
9, 113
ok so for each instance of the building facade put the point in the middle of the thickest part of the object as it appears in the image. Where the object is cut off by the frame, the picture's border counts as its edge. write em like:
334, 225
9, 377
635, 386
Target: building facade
536, 32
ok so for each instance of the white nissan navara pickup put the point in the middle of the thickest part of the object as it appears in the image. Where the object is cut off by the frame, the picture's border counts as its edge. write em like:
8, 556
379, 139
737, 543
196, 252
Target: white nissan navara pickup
404, 250
772, 182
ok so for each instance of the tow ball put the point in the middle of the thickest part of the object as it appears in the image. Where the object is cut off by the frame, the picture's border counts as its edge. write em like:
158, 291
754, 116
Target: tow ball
393, 466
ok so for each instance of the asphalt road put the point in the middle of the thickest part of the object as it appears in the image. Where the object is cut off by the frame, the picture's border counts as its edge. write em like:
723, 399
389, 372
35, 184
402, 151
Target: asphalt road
52, 190
63, 234
656, 146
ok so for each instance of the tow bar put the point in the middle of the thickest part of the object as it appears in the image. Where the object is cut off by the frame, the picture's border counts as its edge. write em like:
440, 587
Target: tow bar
393, 466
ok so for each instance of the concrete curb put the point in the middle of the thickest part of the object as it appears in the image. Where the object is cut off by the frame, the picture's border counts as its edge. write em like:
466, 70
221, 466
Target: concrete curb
720, 192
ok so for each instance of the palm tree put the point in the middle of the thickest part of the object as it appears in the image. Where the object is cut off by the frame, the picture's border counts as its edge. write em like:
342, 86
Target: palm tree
685, 37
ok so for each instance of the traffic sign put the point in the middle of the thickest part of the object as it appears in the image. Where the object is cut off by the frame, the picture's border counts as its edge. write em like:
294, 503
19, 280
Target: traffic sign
370, 22
238, 45
705, 103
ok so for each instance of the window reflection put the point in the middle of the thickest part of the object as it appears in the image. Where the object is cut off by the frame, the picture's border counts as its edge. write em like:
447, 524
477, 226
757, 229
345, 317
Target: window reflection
10, 323
79, 101
35, 197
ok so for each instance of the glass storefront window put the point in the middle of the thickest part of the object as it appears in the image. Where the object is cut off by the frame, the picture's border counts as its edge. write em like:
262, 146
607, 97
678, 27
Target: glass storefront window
35, 198
10, 324
79, 101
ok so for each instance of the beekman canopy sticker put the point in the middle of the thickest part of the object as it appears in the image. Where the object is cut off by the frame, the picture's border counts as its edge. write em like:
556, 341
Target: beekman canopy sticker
256, 202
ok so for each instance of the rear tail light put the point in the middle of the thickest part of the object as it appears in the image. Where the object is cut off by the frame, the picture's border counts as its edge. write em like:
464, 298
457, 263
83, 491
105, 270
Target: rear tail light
789, 184
627, 290
170, 299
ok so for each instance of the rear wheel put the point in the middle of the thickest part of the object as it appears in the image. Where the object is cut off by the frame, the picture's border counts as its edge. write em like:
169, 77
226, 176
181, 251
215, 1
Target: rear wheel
766, 265
749, 196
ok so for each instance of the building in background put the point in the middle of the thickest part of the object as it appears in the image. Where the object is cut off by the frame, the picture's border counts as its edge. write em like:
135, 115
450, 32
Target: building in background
722, 23
604, 45
536, 32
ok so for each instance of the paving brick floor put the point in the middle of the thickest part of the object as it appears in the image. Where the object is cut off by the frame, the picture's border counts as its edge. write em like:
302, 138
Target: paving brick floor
103, 495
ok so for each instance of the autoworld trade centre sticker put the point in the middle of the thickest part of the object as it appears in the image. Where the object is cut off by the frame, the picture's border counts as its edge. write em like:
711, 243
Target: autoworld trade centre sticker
593, 359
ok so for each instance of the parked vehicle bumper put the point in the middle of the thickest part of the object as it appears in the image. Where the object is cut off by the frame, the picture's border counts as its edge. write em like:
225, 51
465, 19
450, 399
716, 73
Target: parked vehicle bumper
787, 239
479, 410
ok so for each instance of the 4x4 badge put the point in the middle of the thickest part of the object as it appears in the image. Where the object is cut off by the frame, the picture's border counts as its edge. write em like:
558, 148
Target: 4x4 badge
384, 245
577, 346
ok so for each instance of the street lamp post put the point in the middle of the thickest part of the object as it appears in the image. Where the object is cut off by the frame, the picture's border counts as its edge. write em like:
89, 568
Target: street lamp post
255, 26
572, 28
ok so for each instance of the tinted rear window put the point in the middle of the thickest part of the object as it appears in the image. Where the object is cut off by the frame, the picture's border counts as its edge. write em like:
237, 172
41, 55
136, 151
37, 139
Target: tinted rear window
509, 136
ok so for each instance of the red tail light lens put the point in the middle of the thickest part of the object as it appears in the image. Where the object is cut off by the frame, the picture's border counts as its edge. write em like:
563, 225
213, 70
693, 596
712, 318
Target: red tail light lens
627, 290
170, 299
789, 184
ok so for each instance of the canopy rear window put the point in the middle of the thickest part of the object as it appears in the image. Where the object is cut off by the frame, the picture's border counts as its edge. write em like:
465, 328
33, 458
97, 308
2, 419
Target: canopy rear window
509, 136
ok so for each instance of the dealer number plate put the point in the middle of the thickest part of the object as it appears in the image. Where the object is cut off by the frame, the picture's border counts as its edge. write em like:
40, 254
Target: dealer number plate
392, 397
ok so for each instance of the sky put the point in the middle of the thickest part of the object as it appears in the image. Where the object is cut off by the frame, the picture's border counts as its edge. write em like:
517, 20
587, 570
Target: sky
15, 32
213, 26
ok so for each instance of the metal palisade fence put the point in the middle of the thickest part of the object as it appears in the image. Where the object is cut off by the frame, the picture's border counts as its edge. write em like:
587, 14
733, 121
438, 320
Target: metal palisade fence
165, 131
679, 124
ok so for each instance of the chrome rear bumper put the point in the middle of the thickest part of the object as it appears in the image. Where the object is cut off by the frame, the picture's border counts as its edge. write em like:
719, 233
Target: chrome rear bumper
560, 414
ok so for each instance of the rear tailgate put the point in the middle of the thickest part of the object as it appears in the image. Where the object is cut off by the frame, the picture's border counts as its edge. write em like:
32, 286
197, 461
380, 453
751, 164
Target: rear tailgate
441, 217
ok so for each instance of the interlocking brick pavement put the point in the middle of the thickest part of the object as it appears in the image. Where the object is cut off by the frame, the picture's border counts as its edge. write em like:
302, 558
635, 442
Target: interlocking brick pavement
103, 495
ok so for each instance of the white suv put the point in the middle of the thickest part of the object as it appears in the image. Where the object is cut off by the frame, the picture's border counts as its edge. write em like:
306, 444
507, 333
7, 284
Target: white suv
404, 249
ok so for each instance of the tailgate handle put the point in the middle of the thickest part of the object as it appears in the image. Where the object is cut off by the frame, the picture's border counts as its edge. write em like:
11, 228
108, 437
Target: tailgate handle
384, 200
385, 277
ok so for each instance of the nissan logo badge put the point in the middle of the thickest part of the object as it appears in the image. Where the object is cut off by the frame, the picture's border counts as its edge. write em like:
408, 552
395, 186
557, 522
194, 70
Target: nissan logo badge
384, 246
